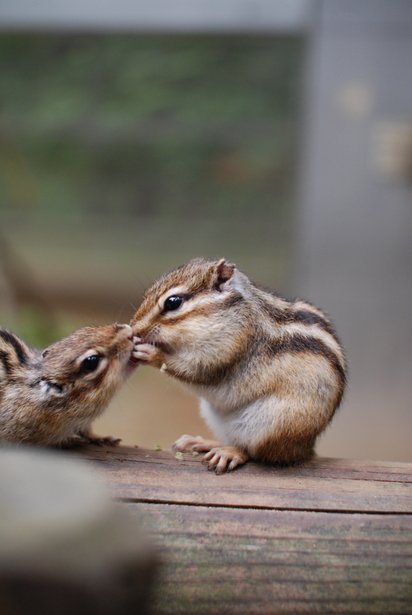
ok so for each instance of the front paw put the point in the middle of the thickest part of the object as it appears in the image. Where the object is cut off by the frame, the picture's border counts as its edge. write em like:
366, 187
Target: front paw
89, 437
195, 444
224, 459
147, 353
84, 439
103, 441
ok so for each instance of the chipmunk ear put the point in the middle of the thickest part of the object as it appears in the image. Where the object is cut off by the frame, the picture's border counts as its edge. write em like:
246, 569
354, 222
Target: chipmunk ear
223, 273
13, 352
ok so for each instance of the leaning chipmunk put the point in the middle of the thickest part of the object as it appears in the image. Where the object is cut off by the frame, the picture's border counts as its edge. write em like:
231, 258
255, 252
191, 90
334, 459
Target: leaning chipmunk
50, 398
269, 372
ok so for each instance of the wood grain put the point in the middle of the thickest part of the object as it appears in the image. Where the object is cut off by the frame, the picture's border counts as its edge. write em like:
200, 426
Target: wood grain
332, 537
222, 560
322, 484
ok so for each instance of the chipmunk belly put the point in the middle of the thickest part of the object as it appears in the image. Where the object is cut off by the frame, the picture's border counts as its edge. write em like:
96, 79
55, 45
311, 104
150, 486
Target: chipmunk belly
280, 425
273, 429
246, 427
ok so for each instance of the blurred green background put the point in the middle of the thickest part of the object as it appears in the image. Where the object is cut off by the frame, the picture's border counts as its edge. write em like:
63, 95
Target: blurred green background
122, 156
135, 137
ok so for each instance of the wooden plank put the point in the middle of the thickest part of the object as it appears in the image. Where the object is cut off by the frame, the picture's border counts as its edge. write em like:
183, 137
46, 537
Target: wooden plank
323, 484
224, 560
325, 467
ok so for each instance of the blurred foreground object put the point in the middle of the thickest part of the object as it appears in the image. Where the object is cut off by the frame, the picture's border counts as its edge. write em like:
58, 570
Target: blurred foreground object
64, 546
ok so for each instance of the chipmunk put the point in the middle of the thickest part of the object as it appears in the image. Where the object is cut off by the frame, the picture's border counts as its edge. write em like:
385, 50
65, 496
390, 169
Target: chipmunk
269, 372
51, 397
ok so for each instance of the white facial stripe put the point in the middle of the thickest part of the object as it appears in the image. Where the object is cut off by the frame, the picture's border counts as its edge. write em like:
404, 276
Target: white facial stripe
151, 316
186, 307
145, 322
201, 300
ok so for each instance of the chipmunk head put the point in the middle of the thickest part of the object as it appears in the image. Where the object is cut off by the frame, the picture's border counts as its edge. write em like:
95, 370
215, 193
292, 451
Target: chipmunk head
196, 306
87, 366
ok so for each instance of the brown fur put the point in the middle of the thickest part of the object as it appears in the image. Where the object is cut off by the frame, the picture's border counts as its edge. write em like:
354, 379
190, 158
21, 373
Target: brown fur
48, 398
285, 449
271, 372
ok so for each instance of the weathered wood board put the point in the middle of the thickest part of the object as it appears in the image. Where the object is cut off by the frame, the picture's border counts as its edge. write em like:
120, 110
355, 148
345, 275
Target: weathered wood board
322, 484
333, 536
227, 560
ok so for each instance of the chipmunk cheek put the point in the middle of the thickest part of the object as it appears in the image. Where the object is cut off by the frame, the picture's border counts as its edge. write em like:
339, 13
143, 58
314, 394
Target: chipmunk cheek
50, 388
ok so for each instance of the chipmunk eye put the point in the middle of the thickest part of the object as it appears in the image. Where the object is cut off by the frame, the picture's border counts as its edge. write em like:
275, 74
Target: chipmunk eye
89, 364
172, 303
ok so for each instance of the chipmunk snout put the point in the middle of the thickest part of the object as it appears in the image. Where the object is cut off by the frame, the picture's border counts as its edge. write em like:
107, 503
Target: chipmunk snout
127, 330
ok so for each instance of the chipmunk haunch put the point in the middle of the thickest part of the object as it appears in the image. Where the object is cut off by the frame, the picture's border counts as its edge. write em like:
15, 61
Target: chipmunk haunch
52, 397
269, 372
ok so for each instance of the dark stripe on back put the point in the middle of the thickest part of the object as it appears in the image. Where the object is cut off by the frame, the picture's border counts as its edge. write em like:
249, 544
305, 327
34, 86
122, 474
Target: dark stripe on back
4, 358
288, 316
310, 318
300, 343
11, 339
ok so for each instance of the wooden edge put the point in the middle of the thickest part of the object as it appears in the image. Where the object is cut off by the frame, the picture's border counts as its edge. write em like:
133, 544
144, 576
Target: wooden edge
321, 467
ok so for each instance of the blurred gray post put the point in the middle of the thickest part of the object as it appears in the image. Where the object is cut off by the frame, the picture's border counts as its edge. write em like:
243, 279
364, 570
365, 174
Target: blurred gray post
65, 547
356, 212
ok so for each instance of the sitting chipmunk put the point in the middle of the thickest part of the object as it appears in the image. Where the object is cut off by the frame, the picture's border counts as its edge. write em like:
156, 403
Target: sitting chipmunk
270, 372
51, 398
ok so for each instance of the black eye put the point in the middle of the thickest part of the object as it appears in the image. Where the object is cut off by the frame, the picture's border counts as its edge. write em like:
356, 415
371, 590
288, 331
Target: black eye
172, 303
89, 364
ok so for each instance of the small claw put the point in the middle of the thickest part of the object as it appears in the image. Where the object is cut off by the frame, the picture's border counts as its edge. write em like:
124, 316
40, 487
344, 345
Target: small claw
186, 443
214, 461
114, 441
224, 459
111, 441
222, 465
234, 464
208, 456
104, 441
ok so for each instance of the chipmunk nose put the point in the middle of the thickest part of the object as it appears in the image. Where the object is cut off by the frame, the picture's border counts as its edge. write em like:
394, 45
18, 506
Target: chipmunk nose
127, 328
